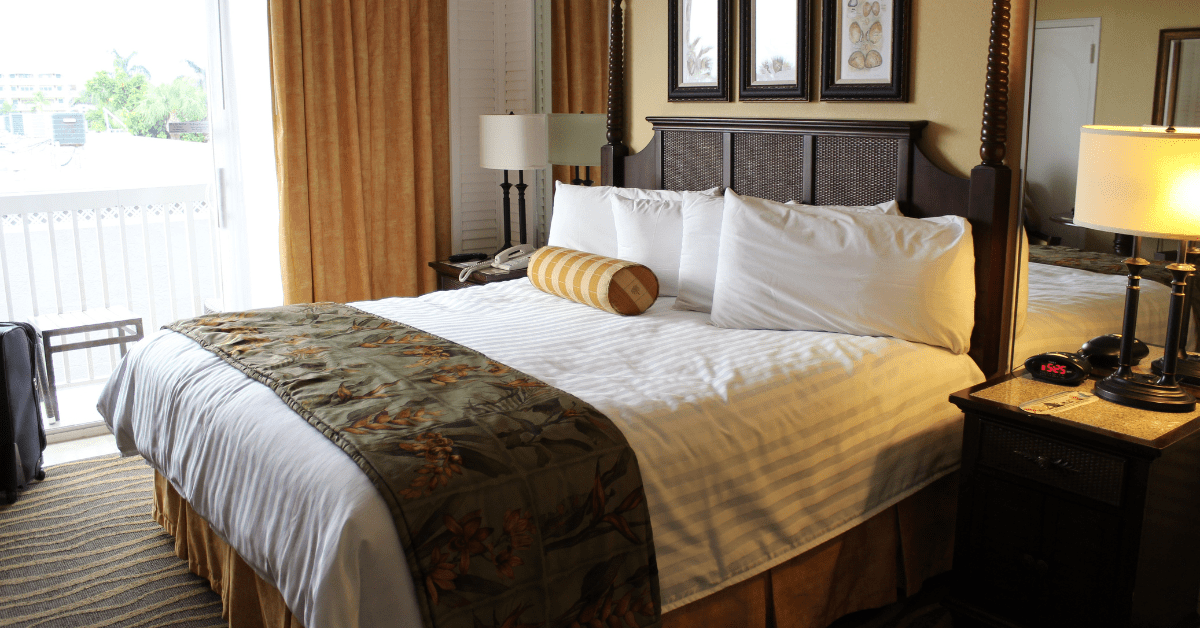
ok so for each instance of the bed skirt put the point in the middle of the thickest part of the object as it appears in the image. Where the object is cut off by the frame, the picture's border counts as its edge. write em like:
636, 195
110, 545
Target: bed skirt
871, 565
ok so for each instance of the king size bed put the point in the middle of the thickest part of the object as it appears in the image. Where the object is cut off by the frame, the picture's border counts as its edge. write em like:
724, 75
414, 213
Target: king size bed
790, 476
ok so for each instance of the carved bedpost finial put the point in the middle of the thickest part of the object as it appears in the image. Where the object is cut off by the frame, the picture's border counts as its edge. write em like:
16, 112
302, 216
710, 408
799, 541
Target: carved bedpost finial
994, 132
616, 75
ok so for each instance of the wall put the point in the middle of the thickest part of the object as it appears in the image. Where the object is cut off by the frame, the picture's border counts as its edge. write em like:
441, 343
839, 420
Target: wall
1128, 49
949, 57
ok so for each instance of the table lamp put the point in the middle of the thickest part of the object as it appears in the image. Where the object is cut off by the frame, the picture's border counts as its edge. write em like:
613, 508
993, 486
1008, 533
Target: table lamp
575, 140
1143, 181
513, 142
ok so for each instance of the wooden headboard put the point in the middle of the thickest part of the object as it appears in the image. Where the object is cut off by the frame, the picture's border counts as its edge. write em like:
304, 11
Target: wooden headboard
843, 162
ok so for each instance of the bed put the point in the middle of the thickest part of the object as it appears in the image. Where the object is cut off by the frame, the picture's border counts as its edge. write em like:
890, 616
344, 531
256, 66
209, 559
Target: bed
791, 477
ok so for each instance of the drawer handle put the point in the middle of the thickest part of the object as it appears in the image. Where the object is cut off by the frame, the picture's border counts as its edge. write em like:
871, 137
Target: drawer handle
1044, 462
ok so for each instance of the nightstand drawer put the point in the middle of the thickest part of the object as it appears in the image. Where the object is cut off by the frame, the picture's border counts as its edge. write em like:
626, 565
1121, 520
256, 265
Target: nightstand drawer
1081, 471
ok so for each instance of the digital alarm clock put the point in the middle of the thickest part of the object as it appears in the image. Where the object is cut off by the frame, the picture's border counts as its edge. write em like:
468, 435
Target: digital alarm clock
1059, 367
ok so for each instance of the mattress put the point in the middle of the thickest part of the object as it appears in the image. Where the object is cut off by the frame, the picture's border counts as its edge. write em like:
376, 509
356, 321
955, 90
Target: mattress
1068, 307
754, 445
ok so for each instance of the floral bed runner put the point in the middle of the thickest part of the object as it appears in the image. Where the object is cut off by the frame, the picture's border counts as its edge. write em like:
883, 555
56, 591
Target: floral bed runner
517, 504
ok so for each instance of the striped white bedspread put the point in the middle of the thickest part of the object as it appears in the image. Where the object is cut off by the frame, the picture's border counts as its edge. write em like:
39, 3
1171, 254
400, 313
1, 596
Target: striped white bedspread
754, 445
1068, 307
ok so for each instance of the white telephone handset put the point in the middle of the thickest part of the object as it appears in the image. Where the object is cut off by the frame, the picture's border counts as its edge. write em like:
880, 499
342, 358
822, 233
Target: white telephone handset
512, 258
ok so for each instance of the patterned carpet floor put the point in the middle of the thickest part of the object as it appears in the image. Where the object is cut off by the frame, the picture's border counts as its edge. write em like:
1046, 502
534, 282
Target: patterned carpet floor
81, 549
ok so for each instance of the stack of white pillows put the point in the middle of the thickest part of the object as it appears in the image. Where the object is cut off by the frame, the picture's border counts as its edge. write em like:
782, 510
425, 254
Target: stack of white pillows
759, 264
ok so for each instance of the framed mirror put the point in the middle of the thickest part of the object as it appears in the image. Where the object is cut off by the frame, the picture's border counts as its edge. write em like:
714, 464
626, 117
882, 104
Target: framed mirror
773, 50
1177, 81
698, 50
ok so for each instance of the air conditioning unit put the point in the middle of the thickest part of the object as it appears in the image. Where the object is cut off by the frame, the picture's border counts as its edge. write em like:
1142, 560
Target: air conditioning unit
70, 129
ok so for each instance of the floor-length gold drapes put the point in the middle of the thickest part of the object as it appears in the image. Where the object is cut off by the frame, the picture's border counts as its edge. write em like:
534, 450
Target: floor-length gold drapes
362, 140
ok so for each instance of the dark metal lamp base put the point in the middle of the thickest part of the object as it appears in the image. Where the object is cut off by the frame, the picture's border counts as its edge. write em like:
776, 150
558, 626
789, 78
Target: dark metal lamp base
1187, 368
1143, 391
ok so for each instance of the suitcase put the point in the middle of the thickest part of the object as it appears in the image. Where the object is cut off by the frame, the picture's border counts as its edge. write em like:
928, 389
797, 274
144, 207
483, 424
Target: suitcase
22, 437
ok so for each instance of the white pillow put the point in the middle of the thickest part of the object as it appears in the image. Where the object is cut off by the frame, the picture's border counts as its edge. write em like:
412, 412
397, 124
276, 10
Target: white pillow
649, 232
702, 238
889, 208
583, 220
813, 268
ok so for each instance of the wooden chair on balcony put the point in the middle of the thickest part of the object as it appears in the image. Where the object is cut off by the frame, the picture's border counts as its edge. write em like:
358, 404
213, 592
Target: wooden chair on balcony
127, 325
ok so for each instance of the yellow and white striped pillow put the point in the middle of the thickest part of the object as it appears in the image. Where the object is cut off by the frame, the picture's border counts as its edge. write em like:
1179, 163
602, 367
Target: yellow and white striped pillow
605, 283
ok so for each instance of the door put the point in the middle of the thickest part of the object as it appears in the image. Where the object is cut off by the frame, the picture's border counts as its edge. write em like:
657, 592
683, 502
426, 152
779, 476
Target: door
1062, 99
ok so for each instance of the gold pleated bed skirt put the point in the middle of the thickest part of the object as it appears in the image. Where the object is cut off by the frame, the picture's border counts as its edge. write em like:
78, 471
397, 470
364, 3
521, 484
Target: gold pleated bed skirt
869, 566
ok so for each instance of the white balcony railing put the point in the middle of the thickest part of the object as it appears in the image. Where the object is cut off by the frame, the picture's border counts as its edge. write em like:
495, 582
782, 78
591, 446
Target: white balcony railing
152, 251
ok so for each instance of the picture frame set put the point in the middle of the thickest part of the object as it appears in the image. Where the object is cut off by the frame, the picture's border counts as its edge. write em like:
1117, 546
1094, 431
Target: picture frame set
864, 43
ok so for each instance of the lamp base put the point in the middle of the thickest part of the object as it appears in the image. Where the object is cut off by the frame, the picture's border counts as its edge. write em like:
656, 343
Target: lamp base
1187, 368
1143, 391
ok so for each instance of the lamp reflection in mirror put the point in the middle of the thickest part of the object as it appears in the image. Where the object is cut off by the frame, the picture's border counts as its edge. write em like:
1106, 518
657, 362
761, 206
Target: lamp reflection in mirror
513, 142
575, 140
1143, 181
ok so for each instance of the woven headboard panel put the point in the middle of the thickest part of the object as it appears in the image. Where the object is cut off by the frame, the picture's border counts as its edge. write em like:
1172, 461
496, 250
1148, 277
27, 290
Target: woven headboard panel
825, 162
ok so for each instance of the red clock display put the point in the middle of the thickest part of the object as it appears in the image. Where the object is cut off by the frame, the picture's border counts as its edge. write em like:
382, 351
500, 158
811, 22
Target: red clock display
1054, 369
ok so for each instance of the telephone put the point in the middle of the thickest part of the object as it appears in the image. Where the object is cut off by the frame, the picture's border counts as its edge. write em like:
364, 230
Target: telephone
512, 258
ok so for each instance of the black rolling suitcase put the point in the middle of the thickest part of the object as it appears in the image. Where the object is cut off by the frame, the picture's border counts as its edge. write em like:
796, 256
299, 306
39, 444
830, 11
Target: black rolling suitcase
22, 437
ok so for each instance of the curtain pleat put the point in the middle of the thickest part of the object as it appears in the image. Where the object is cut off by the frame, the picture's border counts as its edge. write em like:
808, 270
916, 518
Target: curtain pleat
579, 65
362, 146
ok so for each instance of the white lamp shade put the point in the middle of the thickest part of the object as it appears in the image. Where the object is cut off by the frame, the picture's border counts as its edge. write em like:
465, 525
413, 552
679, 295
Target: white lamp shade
576, 138
512, 142
1140, 181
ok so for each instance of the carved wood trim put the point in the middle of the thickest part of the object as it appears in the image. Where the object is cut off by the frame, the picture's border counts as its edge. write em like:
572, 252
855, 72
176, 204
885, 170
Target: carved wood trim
994, 132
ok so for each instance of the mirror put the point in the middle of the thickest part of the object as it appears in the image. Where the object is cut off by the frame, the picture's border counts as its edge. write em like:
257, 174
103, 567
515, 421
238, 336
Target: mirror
1102, 75
1177, 82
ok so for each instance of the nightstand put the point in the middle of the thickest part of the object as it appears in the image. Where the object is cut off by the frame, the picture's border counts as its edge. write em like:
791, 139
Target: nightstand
448, 275
1090, 517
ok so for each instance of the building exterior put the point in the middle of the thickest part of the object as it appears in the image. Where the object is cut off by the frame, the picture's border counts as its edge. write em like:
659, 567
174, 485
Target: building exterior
18, 88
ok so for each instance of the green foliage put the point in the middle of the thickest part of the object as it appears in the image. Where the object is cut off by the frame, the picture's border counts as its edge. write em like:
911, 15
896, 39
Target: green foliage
119, 92
5, 107
142, 108
39, 101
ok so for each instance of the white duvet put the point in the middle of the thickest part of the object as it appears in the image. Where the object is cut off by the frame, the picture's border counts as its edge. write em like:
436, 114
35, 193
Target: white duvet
754, 445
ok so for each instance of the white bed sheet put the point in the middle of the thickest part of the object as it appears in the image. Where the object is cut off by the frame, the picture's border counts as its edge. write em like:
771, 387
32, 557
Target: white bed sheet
1068, 307
754, 445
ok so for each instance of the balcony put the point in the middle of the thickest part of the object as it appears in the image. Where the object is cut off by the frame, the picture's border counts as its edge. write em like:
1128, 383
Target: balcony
150, 250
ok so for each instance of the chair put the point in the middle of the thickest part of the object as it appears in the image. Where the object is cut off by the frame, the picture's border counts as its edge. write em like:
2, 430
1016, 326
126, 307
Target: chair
127, 325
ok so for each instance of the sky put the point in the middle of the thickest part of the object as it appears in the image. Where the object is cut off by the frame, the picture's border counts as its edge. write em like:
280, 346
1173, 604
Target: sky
76, 38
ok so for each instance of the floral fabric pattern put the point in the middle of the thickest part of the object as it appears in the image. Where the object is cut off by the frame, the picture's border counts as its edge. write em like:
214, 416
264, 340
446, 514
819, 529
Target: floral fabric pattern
517, 504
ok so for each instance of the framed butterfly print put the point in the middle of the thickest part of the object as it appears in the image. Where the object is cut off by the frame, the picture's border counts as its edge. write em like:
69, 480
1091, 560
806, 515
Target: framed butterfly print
773, 50
865, 50
698, 50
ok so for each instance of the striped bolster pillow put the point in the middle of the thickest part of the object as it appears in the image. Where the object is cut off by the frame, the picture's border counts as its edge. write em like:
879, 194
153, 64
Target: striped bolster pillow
604, 283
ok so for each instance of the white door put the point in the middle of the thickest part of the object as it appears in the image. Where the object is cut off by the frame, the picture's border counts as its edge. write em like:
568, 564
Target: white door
1062, 99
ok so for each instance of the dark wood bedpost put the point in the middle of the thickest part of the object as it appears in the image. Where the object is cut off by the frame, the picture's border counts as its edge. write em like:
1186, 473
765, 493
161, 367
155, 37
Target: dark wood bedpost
990, 205
615, 150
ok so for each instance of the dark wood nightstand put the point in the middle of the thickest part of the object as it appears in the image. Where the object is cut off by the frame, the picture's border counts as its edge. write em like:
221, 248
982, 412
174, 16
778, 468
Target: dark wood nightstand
448, 275
1090, 517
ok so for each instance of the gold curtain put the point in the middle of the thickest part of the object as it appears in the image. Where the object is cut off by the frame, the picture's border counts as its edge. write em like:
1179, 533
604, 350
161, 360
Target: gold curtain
579, 50
362, 146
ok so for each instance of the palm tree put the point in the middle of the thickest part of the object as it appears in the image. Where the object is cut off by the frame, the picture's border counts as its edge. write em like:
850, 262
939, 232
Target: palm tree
201, 75
38, 100
121, 65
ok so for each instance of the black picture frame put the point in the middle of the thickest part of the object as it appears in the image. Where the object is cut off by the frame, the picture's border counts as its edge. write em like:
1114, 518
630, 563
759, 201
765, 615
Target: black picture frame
750, 86
868, 35
683, 85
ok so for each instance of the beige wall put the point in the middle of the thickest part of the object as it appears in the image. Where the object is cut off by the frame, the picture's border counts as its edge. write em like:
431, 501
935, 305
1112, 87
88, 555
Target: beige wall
1128, 49
949, 57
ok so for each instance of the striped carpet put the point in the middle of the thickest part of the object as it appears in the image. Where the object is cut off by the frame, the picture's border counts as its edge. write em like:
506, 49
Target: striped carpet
81, 549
